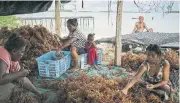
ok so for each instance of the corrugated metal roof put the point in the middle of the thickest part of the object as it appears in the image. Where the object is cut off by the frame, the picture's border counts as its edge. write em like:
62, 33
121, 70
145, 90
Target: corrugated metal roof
173, 45
147, 38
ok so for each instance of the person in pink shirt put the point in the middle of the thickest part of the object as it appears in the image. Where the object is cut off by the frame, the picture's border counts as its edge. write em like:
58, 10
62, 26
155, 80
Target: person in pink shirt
10, 70
90, 48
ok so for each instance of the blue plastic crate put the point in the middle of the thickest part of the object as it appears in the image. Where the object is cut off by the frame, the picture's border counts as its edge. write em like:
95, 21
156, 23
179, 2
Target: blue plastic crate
83, 59
100, 56
49, 67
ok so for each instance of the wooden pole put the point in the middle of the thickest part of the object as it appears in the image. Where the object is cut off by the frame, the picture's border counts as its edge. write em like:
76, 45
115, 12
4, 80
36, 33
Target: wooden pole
57, 18
82, 4
118, 46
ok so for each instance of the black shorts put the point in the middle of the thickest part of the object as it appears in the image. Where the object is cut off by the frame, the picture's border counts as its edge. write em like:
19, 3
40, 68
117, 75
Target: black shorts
79, 50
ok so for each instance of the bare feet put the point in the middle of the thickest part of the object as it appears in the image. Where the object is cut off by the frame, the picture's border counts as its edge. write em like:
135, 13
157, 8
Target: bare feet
75, 69
42, 96
124, 91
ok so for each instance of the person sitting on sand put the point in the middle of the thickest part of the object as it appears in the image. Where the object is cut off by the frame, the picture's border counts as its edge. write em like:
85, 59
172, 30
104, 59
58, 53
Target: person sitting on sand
10, 70
75, 42
140, 26
155, 73
90, 48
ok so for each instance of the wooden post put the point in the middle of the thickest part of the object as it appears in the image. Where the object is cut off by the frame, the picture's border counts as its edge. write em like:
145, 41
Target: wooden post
82, 4
118, 46
57, 18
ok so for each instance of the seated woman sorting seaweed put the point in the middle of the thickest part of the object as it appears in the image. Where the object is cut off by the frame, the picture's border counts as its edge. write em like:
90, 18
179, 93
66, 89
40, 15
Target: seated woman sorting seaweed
155, 73
10, 70
75, 42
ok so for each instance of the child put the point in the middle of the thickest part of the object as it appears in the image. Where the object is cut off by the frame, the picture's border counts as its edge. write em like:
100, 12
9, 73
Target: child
90, 48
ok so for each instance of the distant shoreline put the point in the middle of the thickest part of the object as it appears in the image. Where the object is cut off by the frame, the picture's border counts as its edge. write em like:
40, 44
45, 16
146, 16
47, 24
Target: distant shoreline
172, 12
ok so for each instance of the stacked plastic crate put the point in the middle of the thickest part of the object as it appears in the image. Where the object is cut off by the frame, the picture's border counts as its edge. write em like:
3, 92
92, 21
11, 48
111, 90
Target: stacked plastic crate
83, 59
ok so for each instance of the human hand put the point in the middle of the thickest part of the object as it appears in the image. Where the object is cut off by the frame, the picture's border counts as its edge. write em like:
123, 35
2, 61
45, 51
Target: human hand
94, 44
58, 52
60, 44
24, 72
150, 86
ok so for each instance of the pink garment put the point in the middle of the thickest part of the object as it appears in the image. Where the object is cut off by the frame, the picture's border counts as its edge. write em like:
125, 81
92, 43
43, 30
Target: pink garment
92, 53
5, 56
15, 67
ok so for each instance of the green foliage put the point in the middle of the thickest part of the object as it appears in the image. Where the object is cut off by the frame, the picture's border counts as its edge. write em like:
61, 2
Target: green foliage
9, 21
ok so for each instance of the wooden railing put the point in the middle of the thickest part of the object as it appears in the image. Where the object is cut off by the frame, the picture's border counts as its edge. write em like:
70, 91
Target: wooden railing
84, 23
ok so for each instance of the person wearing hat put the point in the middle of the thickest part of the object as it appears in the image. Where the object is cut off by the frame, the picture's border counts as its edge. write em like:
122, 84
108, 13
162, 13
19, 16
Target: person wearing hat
140, 26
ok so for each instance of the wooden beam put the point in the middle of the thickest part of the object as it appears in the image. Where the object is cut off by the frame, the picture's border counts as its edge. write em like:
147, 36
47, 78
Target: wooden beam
57, 18
118, 46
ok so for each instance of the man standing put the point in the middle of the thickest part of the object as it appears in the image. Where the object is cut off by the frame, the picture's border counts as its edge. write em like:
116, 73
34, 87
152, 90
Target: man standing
140, 26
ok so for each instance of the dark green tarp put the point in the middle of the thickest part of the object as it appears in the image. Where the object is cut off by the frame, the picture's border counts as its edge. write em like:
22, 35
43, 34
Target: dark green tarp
25, 7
